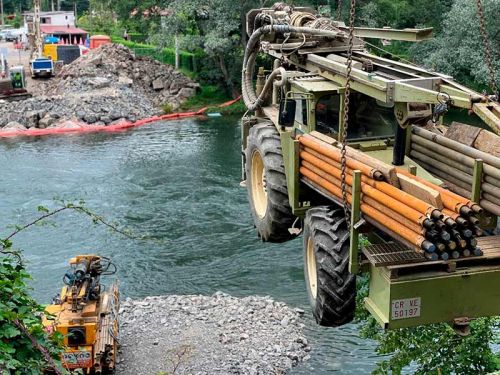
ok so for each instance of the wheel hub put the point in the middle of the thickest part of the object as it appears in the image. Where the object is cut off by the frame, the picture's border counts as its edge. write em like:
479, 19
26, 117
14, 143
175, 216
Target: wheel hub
312, 276
259, 184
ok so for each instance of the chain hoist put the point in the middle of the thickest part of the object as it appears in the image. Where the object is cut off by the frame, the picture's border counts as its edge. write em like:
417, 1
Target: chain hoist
487, 49
343, 139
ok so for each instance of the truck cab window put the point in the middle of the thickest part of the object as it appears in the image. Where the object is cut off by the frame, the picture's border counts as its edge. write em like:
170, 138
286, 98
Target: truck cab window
327, 114
301, 111
368, 119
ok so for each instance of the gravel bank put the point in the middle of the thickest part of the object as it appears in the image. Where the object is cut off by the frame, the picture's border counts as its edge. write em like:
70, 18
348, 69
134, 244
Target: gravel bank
220, 334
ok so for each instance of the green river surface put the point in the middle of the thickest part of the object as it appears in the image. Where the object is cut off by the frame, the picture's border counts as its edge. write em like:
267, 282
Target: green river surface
179, 182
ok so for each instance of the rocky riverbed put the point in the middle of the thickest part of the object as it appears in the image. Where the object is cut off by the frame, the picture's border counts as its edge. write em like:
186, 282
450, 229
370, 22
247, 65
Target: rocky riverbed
106, 86
206, 335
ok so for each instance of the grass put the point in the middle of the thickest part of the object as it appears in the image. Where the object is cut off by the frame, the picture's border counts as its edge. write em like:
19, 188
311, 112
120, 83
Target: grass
234, 109
209, 96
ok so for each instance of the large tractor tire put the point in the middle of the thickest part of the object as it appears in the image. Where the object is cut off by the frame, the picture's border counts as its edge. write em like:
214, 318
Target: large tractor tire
266, 184
330, 286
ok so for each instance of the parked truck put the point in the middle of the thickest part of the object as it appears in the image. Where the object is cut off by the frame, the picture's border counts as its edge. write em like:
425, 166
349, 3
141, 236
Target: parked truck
346, 148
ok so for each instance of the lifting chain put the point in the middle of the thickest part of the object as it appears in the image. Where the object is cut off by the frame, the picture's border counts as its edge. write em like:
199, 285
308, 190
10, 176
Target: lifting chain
487, 49
343, 138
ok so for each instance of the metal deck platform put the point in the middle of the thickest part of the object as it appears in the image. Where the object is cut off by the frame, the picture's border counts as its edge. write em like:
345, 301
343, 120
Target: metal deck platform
391, 253
395, 255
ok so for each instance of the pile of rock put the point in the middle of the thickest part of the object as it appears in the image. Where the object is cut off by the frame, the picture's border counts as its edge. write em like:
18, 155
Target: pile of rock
106, 86
113, 65
210, 335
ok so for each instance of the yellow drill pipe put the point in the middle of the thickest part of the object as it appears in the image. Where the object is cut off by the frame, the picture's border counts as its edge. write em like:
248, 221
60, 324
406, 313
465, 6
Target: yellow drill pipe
408, 199
412, 237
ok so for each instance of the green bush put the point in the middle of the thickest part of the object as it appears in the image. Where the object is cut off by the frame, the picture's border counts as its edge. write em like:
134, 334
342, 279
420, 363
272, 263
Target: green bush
165, 55
167, 108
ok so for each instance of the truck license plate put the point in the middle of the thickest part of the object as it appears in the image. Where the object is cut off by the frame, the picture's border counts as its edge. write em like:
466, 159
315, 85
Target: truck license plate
405, 308
80, 359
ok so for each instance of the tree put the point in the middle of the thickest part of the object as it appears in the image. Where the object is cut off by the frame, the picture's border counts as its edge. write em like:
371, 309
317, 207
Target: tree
458, 49
213, 26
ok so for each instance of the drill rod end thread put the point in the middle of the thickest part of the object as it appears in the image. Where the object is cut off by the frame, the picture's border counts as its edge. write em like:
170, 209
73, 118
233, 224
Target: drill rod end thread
440, 224
462, 222
431, 256
445, 236
477, 251
437, 215
473, 242
465, 211
467, 233
455, 254
428, 246
428, 224
477, 209
444, 256
466, 253
474, 220
378, 176
452, 245
440, 247
450, 222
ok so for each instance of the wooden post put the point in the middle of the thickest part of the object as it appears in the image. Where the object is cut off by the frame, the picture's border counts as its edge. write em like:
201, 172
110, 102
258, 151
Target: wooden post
355, 217
477, 178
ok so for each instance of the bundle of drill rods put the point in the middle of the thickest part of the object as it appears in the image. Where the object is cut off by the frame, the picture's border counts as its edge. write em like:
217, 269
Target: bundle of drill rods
453, 162
447, 233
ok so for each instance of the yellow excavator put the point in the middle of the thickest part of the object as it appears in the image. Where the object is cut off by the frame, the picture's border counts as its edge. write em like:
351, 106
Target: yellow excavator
86, 314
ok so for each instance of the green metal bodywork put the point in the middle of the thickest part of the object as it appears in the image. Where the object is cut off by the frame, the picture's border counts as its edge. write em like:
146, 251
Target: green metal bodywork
442, 296
465, 293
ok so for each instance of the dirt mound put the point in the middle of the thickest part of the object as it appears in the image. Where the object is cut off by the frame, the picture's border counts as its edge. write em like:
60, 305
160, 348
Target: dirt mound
116, 65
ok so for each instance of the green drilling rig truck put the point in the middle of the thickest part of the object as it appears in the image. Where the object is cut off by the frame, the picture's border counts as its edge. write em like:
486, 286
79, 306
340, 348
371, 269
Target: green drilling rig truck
349, 149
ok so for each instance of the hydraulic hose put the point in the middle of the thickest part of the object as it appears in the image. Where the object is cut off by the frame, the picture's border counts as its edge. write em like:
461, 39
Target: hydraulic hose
252, 101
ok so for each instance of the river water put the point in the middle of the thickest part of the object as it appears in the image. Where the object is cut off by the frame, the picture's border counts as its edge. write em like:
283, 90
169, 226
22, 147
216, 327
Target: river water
177, 182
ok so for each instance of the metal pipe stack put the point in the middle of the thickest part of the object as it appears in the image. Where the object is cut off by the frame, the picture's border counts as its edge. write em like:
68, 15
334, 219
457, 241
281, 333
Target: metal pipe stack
453, 162
438, 233
104, 347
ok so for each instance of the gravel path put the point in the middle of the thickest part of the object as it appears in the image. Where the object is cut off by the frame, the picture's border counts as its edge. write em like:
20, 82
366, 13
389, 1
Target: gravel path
220, 334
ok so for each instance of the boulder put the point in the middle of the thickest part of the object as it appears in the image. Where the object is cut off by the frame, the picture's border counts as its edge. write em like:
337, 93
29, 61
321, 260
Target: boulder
14, 125
126, 81
32, 118
99, 82
90, 118
46, 121
158, 84
186, 92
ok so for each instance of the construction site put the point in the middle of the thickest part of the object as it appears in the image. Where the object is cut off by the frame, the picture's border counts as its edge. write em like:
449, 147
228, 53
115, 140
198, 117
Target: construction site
359, 188
46, 86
